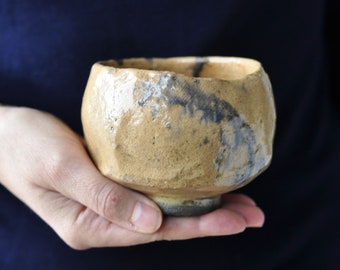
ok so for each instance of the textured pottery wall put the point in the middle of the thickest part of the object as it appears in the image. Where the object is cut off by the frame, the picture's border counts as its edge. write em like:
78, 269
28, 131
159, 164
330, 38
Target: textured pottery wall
180, 127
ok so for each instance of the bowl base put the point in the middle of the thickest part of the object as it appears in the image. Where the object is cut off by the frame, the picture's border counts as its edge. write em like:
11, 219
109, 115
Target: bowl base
187, 207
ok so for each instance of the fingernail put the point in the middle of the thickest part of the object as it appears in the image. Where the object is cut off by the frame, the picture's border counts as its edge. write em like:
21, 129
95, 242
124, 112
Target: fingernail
260, 225
145, 218
257, 224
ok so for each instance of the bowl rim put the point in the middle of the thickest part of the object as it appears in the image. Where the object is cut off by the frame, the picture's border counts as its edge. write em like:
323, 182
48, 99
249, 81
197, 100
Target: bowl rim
253, 65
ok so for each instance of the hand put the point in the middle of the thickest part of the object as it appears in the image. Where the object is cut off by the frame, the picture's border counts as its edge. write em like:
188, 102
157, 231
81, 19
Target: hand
45, 164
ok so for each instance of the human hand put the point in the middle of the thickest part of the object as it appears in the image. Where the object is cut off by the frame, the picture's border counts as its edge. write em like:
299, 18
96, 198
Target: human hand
45, 164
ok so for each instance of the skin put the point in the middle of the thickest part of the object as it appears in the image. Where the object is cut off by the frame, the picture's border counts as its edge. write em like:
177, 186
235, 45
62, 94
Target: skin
45, 164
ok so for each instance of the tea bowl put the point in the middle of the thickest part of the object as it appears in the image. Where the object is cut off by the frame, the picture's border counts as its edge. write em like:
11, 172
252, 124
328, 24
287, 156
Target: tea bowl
181, 130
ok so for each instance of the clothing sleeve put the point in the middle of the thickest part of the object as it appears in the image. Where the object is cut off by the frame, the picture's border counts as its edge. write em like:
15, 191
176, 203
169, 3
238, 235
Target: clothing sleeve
333, 44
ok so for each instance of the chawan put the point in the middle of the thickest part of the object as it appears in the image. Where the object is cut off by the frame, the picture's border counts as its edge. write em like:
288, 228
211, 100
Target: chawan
181, 130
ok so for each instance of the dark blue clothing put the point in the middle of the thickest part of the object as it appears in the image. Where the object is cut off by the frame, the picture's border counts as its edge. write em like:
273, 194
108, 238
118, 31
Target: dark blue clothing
48, 47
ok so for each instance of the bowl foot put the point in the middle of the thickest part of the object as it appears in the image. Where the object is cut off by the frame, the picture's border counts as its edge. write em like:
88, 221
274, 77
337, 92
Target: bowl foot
187, 207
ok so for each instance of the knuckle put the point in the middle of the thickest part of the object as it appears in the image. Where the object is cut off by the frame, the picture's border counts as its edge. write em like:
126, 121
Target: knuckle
73, 238
62, 167
109, 202
75, 244
56, 163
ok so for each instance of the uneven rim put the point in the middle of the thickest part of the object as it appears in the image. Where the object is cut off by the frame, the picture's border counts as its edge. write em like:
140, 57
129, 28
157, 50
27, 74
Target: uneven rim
252, 66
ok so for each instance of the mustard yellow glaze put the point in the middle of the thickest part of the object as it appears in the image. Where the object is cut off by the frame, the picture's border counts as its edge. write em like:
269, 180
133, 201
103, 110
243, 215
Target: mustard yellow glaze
183, 128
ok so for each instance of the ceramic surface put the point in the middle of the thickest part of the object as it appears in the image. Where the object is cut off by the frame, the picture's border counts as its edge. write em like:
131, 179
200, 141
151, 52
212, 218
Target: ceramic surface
181, 130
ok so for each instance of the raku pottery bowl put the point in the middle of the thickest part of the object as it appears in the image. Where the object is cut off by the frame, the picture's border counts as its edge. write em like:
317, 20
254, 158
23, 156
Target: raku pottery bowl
181, 130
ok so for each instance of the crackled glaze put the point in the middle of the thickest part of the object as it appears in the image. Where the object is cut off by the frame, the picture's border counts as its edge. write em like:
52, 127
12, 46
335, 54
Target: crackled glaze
181, 130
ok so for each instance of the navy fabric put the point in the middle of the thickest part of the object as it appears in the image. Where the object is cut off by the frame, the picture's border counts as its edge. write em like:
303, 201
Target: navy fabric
48, 47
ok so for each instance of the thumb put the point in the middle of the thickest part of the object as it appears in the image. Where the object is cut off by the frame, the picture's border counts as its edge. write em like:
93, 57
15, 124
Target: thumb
82, 182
